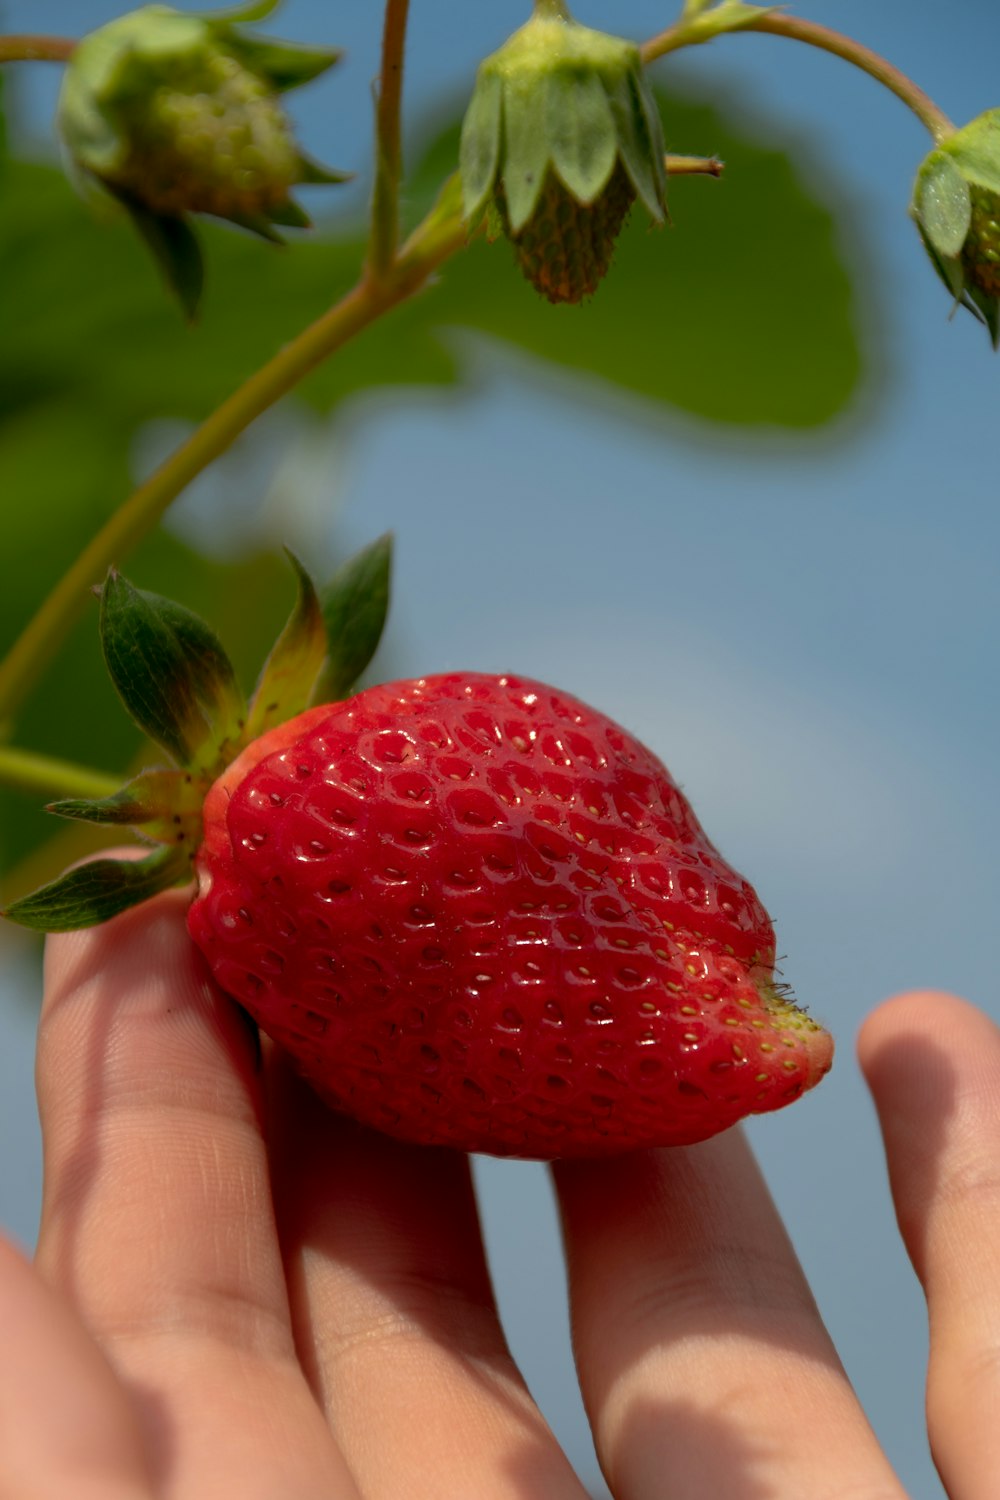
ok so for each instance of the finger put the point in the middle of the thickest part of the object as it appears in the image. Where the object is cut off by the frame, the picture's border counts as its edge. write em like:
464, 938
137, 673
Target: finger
156, 1216
395, 1313
69, 1432
704, 1365
933, 1064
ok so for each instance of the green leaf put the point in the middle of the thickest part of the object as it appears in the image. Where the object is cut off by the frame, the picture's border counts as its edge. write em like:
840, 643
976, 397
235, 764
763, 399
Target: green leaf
290, 672
95, 892
355, 607
285, 65
171, 673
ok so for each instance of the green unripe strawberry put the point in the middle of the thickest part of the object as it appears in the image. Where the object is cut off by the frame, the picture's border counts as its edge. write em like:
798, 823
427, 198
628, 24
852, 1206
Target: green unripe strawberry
560, 139
176, 114
956, 206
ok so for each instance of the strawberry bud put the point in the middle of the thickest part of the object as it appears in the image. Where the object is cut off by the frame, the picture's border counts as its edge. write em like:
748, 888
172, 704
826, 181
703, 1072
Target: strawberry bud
956, 205
561, 137
177, 113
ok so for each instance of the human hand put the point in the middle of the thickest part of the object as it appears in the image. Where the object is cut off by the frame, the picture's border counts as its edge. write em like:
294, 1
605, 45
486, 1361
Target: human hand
240, 1294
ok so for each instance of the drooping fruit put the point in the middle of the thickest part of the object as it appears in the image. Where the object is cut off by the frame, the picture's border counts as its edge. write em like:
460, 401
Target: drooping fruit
561, 137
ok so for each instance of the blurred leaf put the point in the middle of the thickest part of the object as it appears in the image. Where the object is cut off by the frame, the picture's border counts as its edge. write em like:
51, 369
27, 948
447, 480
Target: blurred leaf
741, 313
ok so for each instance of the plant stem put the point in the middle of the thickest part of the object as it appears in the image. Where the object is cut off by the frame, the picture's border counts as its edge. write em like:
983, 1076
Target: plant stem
811, 32
440, 235
693, 166
28, 771
388, 146
35, 48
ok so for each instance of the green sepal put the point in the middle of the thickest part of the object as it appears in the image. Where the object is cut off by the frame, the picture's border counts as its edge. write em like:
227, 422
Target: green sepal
526, 150
175, 248
258, 224
172, 674
165, 805
290, 215
942, 204
701, 21
987, 309
580, 131
313, 173
975, 150
284, 65
291, 671
95, 892
640, 144
237, 15
355, 606
479, 149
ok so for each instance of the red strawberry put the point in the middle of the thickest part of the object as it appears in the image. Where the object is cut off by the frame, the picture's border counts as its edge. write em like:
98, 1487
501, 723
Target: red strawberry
474, 911
477, 913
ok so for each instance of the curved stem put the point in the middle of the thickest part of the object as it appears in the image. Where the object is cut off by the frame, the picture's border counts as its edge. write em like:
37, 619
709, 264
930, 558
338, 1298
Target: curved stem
388, 147
440, 236
28, 771
685, 34
36, 48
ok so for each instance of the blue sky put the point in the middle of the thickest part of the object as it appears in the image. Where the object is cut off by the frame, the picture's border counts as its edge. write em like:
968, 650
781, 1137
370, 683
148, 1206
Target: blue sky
805, 630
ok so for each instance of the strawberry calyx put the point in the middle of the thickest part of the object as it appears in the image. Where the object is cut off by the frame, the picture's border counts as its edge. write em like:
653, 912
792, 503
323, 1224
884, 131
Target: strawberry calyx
178, 684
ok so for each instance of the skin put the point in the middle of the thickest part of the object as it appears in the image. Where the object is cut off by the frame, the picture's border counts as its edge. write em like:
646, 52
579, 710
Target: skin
236, 1293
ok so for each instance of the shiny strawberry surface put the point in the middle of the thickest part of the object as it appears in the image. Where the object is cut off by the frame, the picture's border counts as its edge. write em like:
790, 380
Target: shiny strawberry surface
478, 913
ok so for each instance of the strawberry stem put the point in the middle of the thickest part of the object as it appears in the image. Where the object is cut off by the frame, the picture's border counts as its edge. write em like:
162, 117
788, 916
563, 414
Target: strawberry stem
691, 33
28, 771
693, 166
36, 48
388, 146
440, 236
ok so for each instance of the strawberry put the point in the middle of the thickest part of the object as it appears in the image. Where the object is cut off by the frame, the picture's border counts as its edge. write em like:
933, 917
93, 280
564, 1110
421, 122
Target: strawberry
478, 913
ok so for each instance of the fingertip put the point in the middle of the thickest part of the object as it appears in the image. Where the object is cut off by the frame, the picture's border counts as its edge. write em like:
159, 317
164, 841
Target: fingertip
913, 1017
